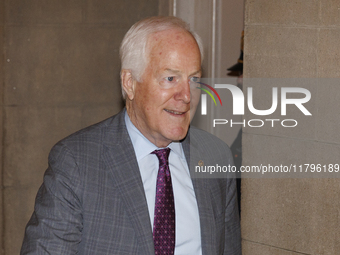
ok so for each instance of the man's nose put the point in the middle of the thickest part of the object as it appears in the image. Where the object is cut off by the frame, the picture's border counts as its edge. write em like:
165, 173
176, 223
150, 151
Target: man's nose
184, 92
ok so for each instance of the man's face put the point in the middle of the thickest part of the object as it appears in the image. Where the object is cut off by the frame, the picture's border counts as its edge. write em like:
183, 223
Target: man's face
163, 104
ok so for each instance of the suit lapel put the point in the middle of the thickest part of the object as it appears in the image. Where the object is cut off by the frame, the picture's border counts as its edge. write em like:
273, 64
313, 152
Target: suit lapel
193, 155
121, 160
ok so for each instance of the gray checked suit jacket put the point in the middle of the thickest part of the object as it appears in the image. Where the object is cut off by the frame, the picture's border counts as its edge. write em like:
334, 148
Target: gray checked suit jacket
92, 199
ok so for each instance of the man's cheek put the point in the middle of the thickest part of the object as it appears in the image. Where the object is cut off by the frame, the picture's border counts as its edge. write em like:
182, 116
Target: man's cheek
195, 98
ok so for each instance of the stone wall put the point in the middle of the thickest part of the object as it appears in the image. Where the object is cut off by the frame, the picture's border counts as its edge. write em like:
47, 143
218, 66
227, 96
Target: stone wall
59, 73
284, 39
1, 118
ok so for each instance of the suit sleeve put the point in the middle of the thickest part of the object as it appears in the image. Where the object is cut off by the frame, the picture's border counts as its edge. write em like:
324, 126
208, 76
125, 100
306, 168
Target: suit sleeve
232, 220
56, 224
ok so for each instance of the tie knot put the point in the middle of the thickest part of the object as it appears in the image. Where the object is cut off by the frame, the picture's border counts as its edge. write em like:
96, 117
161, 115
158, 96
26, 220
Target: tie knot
162, 155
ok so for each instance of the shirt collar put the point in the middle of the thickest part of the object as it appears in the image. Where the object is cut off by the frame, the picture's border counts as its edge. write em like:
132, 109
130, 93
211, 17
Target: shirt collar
143, 146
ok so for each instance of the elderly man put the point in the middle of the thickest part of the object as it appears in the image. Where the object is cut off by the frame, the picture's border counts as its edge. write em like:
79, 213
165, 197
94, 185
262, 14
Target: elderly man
123, 186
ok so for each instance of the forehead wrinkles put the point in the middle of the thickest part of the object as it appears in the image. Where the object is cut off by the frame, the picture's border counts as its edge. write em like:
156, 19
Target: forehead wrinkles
168, 40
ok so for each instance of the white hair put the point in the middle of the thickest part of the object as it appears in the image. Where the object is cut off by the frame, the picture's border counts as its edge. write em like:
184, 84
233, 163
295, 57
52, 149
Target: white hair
133, 48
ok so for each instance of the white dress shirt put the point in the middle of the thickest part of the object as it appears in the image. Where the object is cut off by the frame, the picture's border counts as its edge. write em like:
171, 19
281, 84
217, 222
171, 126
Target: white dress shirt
188, 231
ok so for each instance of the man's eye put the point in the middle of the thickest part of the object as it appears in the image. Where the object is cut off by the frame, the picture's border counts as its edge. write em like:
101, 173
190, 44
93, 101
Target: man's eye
195, 79
171, 78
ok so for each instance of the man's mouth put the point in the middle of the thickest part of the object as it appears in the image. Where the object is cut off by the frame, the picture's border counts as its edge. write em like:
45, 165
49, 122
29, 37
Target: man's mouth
174, 112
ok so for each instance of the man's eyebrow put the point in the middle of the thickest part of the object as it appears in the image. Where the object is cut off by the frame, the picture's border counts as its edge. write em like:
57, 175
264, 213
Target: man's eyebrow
178, 71
172, 71
197, 72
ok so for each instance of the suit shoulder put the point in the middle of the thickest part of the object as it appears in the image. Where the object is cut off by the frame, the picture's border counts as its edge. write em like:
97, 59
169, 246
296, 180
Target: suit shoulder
93, 136
204, 138
88, 133
209, 149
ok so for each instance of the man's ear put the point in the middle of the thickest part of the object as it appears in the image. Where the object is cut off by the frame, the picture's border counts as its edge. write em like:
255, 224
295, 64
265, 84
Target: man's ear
128, 83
